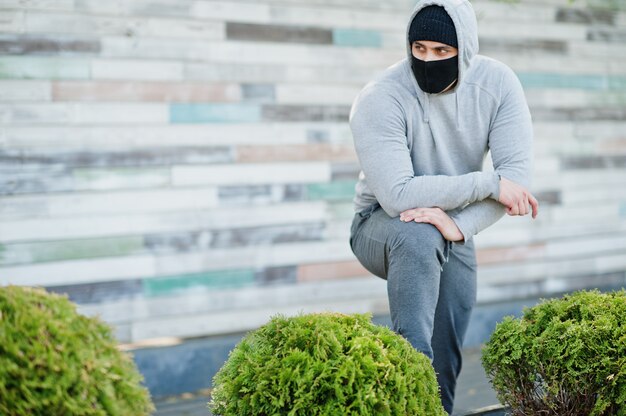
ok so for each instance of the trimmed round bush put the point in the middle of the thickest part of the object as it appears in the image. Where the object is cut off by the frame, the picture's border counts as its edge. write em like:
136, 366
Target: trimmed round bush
325, 364
562, 357
54, 361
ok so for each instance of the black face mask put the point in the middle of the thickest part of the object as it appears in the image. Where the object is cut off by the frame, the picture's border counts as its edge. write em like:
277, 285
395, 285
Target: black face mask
435, 76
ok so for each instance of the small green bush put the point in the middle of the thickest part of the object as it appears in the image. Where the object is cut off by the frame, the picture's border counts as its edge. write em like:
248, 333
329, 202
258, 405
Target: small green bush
54, 361
562, 357
325, 364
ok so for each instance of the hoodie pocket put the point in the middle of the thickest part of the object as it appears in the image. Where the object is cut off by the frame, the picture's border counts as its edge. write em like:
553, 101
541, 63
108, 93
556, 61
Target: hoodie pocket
359, 218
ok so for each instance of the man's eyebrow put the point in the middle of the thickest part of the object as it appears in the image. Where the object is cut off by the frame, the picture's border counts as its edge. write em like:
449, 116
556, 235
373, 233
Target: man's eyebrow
446, 47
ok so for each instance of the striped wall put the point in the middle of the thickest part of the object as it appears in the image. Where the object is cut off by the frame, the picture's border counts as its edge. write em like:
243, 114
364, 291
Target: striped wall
185, 168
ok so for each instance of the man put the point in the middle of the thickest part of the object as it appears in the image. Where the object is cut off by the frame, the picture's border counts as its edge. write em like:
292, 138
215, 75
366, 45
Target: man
421, 131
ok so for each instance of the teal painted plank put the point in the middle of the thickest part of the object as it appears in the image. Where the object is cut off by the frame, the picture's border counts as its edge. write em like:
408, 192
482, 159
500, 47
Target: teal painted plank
160, 286
613, 98
586, 82
609, 5
337, 190
622, 210
70, 250
341, 210
617, 83
24, 67
355, 37
214, 113
547, 80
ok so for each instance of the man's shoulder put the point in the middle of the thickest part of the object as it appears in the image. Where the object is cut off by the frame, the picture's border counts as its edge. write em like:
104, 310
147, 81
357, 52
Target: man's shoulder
392, 84
388, 94
488, 63
490, 74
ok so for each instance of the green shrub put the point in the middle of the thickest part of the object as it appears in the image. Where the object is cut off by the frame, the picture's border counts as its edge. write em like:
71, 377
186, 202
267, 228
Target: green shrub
562, 357
325, 364
54, 361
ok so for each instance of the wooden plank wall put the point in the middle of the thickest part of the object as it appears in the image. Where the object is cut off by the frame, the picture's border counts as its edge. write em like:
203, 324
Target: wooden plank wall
185, 167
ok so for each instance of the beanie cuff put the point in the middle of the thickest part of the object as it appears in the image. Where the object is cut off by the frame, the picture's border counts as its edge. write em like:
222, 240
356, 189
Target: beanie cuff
435, 24
436, 31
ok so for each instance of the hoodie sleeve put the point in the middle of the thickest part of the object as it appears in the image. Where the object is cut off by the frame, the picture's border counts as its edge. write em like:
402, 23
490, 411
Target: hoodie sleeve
378, 125
510, 143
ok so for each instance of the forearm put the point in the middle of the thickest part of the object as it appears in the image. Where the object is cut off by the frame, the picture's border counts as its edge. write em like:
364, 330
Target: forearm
478, 216
445, 192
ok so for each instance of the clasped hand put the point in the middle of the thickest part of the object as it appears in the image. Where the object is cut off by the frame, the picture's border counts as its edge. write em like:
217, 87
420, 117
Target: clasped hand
517, 199
437, 217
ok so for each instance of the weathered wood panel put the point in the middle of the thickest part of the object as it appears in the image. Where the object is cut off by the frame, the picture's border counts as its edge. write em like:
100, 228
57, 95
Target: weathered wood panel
186, 167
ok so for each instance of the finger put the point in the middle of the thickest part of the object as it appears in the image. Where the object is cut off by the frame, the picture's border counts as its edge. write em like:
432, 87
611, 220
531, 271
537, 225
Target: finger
510, 203
415, 213
432, 221
534, 204
523, 207
514, 210
407, 215
424, 218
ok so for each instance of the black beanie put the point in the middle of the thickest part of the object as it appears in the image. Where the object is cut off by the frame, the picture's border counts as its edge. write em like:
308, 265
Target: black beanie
433, 23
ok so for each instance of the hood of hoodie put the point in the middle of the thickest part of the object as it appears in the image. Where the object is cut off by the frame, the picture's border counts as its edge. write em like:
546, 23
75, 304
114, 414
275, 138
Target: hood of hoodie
464, 18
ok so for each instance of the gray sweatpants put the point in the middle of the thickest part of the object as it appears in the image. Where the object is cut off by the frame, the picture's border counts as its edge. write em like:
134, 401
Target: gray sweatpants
431, 284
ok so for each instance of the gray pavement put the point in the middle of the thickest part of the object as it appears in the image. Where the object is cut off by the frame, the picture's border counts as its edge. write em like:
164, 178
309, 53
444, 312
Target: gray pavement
473, 392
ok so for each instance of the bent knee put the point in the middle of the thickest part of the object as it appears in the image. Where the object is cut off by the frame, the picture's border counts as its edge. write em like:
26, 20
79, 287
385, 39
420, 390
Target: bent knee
417, 235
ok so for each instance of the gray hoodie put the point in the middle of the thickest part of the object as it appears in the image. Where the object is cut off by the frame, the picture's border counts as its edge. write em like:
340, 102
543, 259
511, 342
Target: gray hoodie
427, 150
